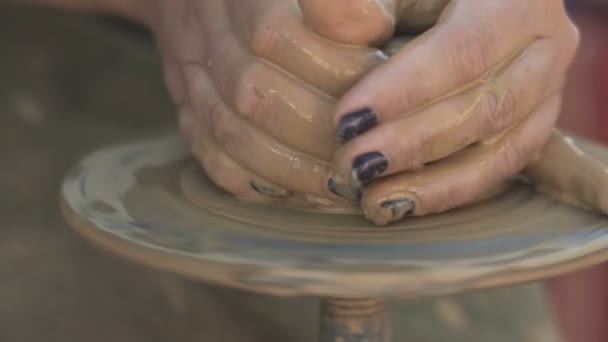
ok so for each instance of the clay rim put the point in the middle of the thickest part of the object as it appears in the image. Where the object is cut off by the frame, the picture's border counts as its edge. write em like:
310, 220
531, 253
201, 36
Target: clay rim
339, 278
224, 274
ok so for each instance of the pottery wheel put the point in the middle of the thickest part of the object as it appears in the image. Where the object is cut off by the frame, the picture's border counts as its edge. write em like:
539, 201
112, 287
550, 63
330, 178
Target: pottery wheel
131, 200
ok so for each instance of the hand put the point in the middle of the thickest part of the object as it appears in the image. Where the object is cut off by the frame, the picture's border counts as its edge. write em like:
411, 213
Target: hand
255, 89
457, 111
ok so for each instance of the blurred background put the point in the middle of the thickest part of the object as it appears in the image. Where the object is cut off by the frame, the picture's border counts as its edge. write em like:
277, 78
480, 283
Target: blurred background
70, 83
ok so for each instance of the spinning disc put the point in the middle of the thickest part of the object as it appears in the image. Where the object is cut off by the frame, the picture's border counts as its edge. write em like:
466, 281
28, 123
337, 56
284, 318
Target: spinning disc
149, 202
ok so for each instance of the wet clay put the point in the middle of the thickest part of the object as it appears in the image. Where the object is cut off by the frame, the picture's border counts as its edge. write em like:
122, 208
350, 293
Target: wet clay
129, 199
565, 172
295, 154
494, 84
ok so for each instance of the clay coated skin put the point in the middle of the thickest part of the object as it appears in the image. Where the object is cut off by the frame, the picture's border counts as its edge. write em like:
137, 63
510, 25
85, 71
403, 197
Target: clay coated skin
279, 77
264, 90
542, 171
561, 170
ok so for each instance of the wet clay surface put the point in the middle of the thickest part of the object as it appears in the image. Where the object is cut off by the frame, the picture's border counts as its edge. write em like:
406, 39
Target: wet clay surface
72, 84
572, 174
144, 202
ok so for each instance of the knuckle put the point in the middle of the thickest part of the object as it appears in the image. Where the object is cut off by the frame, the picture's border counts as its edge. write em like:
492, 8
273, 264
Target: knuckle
221, 123
514, 160
266, 34
500, 111
471, 54
423, 145
406, 98
246, 96
412, 97
511, 100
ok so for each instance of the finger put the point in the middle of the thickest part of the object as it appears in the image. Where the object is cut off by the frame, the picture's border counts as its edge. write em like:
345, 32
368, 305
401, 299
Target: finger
359, 22
249, 147
222, 169
468, 42
463, 177
280, 105
224, 172
501, 100
274, 31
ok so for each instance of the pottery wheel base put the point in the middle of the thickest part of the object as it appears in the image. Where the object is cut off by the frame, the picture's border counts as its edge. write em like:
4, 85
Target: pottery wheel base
345, 320
130, 200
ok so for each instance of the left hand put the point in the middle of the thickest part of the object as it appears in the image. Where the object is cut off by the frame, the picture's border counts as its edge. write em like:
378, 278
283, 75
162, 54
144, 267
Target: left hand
457, 111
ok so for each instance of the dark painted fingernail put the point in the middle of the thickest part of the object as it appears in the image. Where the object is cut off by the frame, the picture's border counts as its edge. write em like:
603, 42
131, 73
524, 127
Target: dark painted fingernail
343, 191
356, 123
399, 207
269, 191
368, 166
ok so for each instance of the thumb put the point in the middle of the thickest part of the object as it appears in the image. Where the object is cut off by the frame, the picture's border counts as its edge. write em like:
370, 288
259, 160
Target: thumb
357, 22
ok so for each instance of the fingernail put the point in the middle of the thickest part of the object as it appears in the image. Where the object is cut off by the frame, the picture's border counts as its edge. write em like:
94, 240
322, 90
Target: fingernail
343, 191
399, 207
356, 123
269, 191
367, 166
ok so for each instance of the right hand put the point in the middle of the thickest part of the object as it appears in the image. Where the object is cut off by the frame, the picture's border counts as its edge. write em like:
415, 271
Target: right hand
455, 113
255, 91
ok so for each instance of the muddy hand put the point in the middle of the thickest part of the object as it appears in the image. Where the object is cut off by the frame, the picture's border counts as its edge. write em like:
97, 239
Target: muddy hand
458, 110
255, 89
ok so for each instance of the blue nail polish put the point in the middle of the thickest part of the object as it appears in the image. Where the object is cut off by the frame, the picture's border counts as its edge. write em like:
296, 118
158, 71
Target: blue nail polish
356, 123
269, 191
399, 207
348, 193
368, 166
